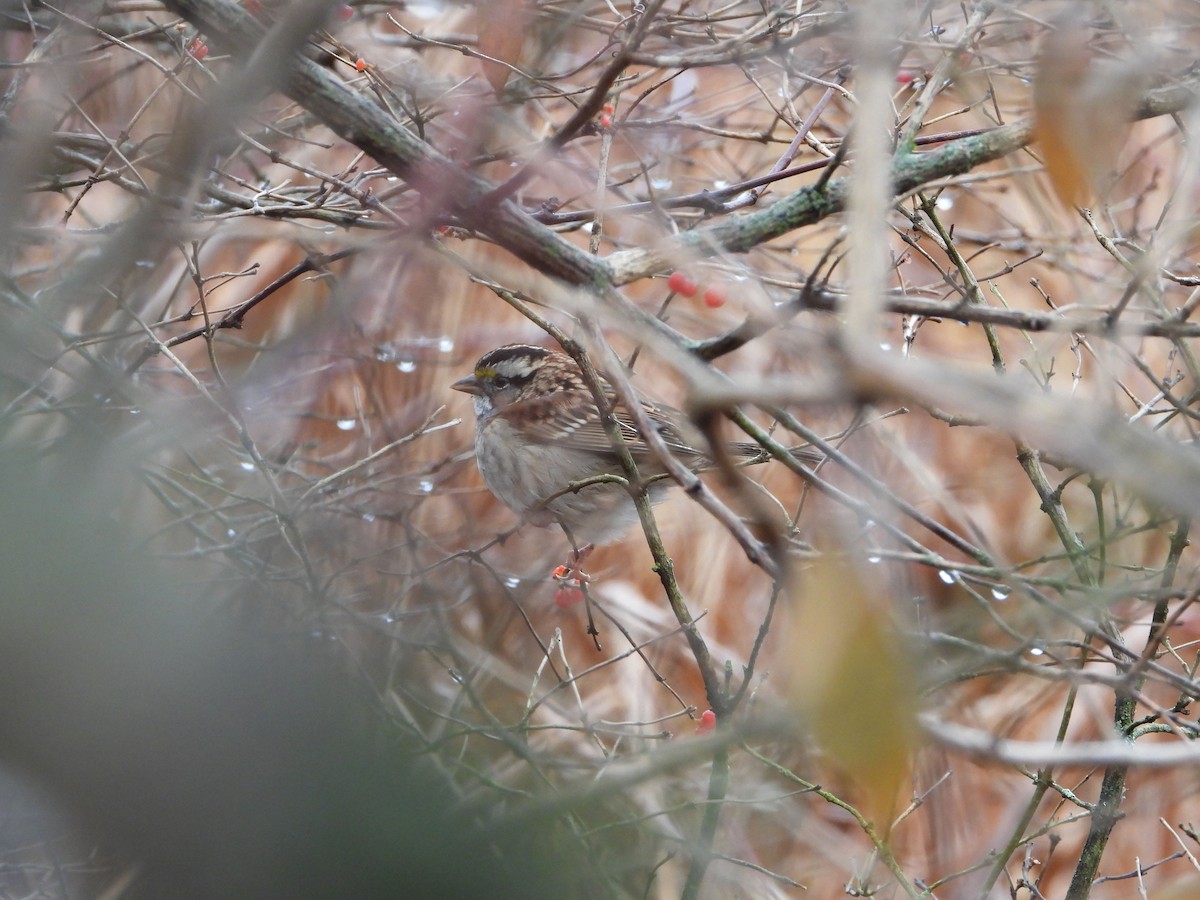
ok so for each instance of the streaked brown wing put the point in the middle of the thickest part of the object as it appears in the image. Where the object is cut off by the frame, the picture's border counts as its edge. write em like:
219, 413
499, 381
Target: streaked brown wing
666, 421
564, 417
570, 418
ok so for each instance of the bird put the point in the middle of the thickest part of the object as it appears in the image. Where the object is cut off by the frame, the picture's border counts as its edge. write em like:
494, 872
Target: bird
538, 432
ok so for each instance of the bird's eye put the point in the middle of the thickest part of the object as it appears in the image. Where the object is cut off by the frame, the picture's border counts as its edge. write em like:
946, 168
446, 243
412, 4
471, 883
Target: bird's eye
500, 381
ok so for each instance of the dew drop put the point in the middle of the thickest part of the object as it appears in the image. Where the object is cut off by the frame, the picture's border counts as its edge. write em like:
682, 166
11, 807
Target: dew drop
391, 178
511, 581
425, 486
247, 465
1000, 593
347, 424
385, 353
230, 533
135, 411
388, 618
874, 559
661, 184
368, 517
885, 346
1036, 651
949, 576
406, 366
445, 345
944, 202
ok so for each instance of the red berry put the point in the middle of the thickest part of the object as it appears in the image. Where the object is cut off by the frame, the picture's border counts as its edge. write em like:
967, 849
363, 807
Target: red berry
681, 284
566, 597
360, 65
197, 49
708, 721
344, 11
714, 298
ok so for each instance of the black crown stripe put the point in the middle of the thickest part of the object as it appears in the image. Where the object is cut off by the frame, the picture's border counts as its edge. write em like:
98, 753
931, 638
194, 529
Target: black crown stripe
513, 351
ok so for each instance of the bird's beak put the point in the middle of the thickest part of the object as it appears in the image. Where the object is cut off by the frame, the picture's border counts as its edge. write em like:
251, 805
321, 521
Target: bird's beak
469, 385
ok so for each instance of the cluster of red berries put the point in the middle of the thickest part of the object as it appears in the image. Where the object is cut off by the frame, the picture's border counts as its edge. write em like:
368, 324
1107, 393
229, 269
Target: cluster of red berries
714, 295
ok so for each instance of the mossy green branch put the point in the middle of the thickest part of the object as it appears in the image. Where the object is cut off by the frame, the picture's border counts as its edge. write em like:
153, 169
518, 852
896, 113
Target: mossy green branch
456, 194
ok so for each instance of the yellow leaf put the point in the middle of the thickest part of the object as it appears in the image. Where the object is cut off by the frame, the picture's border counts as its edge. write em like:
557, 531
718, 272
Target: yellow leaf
1081, 113
852, 681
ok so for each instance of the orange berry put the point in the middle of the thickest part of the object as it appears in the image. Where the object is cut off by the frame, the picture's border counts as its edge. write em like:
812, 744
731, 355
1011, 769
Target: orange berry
360, 65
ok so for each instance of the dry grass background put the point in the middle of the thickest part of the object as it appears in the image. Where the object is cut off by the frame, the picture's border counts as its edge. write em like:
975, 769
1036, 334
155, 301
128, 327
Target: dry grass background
311, 473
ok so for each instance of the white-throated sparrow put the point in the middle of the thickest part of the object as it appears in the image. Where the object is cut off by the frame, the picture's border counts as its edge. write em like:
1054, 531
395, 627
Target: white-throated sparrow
537, 431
